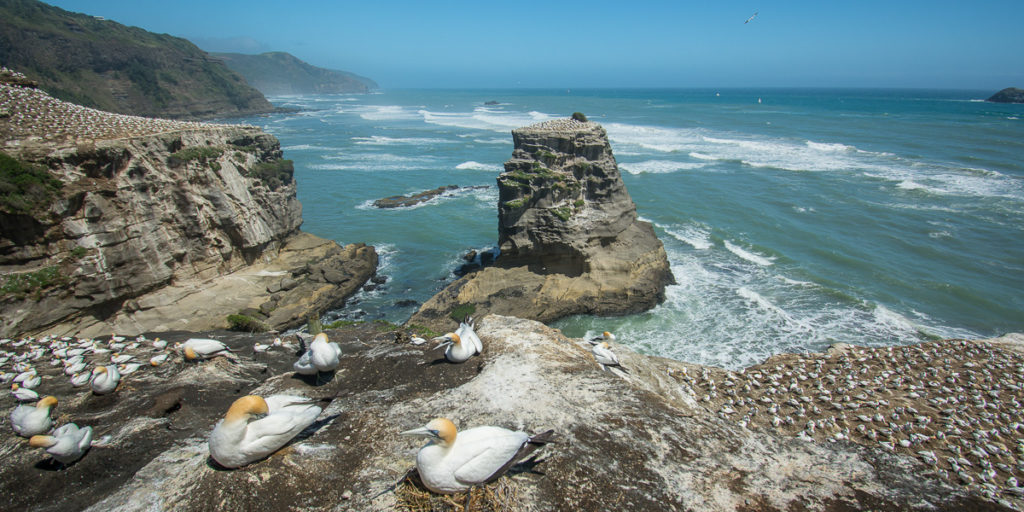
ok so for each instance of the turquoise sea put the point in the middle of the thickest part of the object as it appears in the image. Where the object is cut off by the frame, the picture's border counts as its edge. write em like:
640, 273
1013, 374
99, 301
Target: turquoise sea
793, 218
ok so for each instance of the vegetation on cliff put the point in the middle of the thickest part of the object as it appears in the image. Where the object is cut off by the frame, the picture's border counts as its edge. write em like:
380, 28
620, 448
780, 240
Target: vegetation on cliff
105, 65
25, 188
282, 73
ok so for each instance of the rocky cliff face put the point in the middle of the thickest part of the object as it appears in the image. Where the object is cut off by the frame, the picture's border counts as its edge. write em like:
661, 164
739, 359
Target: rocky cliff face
283, 73
637, 441
150, 212
568, 232
1008, 95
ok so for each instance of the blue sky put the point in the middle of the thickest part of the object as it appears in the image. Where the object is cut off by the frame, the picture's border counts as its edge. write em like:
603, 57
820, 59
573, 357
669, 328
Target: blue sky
935, 44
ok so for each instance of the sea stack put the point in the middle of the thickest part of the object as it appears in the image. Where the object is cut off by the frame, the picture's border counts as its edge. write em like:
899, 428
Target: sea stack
570, 239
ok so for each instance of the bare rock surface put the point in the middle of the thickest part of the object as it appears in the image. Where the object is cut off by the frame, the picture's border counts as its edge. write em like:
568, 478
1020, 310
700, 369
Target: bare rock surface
626, 441
569, 235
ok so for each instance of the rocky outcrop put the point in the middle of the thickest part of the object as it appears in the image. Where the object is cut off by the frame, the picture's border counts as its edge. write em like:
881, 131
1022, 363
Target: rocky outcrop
568, 232
1008, 95
149, 206
641, 441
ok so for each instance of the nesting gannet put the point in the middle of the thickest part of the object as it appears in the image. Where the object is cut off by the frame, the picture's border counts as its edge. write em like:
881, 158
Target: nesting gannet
201, 348
23, 395
321, 357
31, 382
416, 340
256, 427
29, 420
604, 355
66, 444
159, 344
605, 336
128, 368
158, 359
468, 334
80, 379
104, 379
450, 463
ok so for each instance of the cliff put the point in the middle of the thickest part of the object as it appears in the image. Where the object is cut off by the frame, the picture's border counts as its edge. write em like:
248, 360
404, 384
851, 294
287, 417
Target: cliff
1008, 95
570, 239
282, 73
645, 440
105, 65
156, 224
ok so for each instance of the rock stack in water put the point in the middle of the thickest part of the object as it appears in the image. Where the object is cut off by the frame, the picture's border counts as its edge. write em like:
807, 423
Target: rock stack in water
570, 239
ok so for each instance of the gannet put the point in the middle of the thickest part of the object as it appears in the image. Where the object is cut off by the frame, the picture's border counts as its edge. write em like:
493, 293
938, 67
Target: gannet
29, 420
66, 444
468, 334
201, 348
457, 350
256, 427
158, 359
128, 368
104, 379
322, 356
80, 379
750, 18
480, 455
23, 395
605, 336
416, 340
604, 356
31, 382
159, 344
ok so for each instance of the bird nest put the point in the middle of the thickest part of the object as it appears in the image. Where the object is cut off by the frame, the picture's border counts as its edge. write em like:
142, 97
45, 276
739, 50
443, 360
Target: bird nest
499, 496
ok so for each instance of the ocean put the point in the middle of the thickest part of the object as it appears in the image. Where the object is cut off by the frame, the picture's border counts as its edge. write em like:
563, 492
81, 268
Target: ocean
792, 218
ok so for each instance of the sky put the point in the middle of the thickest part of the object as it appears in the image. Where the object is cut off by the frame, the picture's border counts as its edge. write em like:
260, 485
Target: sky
479, 44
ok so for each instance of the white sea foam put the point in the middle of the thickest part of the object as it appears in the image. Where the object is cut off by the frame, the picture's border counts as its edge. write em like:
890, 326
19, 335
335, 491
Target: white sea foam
379, 140
477, 166
658, 166
484, 119
747, 255
384, 112
694, 236
375, 162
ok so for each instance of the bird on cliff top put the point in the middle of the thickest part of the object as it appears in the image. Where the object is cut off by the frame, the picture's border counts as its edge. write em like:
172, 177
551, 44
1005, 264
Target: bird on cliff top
66, 444
23, 395
457, 351
456, 461
203, 348
29, 420
468, 334
255, 427
605, 357
321, 357
104, 379
605, 336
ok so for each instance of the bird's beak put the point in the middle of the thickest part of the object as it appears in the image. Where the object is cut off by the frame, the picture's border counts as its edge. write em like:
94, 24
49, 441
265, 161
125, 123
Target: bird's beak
421, 432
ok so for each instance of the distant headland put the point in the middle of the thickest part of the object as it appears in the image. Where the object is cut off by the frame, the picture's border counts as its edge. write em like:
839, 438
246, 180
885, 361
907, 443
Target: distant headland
1008, 95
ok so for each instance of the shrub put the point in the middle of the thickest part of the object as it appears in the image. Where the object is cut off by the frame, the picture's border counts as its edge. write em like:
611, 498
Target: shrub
515, 204
274, 173
562, 213
246, 323
201, 153
25, 188
578, 203
579, 117
78, 252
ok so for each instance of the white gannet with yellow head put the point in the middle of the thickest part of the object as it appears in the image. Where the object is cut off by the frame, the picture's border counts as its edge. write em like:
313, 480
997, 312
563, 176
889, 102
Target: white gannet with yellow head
29, 420
66, 444
468, 334
105, 379
321, 356
255, 427
23, 395
455, 461
196, 349
604, 355
458, 350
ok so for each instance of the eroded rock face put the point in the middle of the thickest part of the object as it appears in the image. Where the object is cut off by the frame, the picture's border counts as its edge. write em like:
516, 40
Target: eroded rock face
636, 443
140, 213
569, 235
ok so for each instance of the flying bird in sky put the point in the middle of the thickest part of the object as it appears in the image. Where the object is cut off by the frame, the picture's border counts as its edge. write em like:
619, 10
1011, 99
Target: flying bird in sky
750, 18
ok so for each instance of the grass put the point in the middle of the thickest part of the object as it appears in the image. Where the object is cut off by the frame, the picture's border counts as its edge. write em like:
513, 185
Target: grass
78, 252
499, 496
426, 332
25, 188
462, 311
562, 212
517, 203
33, 282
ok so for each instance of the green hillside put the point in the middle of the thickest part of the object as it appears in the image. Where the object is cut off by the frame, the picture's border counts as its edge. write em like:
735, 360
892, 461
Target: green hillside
282, 73
109, 66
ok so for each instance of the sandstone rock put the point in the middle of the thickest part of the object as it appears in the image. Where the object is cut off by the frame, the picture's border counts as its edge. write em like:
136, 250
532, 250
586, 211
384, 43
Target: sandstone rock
569, 237
635, 443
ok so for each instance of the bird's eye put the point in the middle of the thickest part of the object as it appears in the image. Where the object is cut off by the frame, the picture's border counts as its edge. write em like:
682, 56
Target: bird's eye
435, 433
